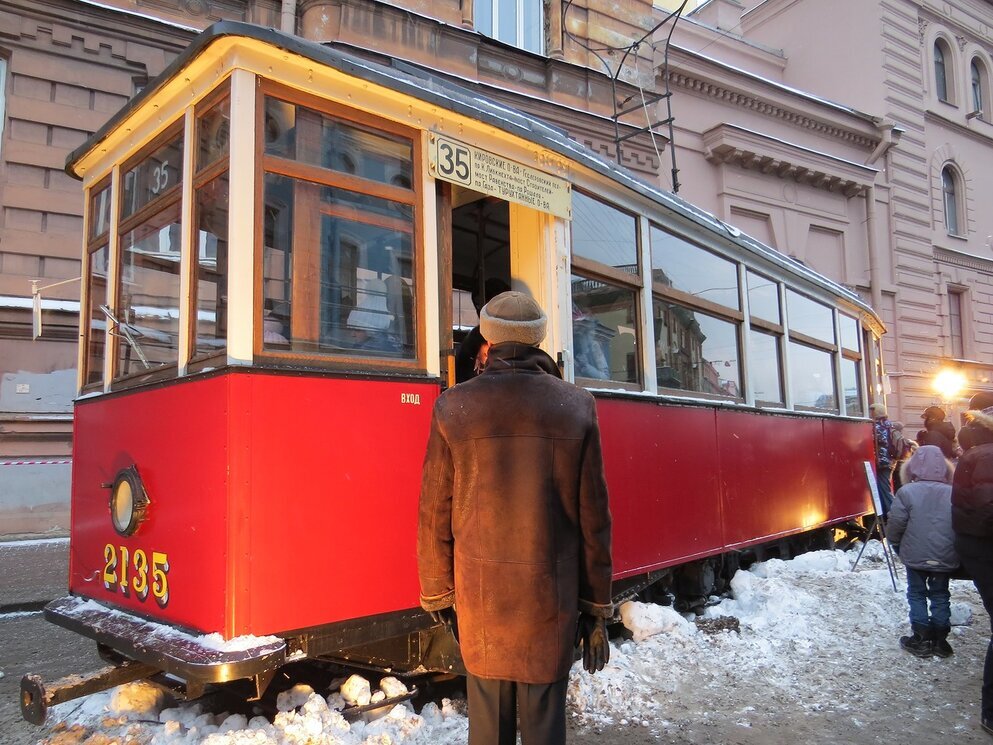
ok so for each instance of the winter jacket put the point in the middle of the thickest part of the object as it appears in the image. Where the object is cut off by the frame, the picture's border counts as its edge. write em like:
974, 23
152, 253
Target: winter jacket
920, 519
885, 448
514, 525
972, 488
940, 434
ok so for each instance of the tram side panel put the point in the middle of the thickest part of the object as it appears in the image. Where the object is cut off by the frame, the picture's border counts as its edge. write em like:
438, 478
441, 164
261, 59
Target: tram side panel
173, 567
849, 445
331, 485
664, 483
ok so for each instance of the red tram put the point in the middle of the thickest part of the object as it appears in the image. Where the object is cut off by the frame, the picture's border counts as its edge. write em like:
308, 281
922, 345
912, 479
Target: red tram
281, 246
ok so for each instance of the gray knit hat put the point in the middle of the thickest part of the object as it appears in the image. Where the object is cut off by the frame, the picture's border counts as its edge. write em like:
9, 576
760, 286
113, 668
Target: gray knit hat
512, 316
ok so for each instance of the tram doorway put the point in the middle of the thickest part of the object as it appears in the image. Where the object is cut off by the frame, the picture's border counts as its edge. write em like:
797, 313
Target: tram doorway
481, 268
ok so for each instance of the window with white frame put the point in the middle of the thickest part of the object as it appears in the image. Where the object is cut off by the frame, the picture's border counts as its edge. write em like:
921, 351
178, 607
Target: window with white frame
517, 22
955, 323
942, 71
951, 199
978, 84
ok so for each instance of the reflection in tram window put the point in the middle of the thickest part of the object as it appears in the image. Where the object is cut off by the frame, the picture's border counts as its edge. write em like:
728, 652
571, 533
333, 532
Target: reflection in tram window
211, 203
149, 295
338, 273
100, 212
603, 331
604, 234
683, 266
213, 134
809, 318
851, 384
765, 368
763, 299
153, 176
811, 378
849, 332
695, 351
97, 293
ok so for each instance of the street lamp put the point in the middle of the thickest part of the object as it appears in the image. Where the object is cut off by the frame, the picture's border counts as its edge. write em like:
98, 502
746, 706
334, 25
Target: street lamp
949, 384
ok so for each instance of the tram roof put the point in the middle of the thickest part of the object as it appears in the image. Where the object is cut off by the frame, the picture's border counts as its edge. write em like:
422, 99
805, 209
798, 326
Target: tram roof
424, 85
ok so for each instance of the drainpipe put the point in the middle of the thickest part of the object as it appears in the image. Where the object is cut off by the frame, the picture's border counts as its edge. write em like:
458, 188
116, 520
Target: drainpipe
288, 17
875, 287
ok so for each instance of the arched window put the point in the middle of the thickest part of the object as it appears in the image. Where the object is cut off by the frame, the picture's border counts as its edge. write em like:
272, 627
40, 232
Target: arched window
950, 197
940, 71
978, 75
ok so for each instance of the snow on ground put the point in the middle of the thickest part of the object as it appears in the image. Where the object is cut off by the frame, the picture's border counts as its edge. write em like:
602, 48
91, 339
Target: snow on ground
799, 623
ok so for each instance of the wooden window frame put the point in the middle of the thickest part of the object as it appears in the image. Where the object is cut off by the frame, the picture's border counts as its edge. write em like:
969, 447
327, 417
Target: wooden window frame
301, 171
93, 245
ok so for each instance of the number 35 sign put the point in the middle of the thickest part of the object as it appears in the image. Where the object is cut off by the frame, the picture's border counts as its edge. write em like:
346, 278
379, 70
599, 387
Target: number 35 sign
482, 171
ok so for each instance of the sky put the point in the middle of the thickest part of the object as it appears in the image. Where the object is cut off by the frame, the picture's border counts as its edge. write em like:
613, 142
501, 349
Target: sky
802, 645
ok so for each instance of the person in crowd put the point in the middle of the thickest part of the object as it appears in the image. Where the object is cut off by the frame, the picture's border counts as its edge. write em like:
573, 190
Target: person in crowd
972, 520
514, 530
885, 454
470, 358
937, 431
904, 449
920, 521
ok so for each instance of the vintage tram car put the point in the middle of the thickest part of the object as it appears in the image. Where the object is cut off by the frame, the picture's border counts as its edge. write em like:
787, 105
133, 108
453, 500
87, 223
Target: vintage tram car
281, 245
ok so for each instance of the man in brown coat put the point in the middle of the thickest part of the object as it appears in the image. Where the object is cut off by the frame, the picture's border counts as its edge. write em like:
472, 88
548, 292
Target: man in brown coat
514, 530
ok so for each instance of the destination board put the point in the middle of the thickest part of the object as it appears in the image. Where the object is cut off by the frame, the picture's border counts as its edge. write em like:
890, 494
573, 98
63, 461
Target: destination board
482, 171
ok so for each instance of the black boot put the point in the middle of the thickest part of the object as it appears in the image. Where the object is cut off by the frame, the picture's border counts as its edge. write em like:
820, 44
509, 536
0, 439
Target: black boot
920, 644
941, 646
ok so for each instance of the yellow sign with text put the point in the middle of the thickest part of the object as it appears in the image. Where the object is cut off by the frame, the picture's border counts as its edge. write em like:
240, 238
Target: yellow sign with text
497, 176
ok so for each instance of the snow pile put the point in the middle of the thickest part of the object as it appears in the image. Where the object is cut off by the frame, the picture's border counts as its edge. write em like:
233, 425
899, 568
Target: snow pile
815, 637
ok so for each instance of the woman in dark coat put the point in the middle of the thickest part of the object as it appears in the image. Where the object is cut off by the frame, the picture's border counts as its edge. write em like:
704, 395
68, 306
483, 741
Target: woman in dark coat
972, 519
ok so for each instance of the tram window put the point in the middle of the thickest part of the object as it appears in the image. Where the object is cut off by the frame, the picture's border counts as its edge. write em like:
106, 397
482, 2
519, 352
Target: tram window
812, 378
765, 368
96, 283
100, 212
149, 294
211, 216
213, 134
849, 332
153, 176
604, 323
683, 266
851, 384
308, 136
695, 351
809, 317
604, 234
339, 269
763, 299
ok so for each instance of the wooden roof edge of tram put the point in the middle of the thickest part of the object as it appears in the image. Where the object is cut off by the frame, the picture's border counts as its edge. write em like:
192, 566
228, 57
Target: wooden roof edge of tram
459, 99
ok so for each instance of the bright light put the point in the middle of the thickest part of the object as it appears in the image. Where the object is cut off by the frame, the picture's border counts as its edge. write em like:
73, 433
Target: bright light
949, 384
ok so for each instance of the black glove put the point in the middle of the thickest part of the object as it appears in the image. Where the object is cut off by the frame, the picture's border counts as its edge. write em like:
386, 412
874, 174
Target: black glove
447, 617
592, 632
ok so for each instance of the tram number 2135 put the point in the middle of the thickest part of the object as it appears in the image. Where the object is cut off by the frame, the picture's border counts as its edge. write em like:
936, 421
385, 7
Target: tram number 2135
130, 571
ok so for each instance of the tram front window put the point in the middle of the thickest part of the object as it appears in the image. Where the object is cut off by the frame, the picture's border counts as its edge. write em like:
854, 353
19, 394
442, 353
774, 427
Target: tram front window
338, 257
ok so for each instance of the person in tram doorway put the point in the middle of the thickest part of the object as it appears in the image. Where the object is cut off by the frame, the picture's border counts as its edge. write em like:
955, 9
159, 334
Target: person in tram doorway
937, 431
972, 520
885, 454
514, 530
920, 521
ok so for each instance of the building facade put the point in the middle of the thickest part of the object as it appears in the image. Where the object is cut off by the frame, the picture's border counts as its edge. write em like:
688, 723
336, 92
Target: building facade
863, 166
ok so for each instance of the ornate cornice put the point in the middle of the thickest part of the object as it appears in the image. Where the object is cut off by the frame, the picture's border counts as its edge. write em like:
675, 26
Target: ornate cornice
727, 143
964, 260
764, 106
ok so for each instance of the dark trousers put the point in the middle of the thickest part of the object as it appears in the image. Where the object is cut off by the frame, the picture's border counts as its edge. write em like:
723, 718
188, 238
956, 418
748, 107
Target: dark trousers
976, 553
494, 706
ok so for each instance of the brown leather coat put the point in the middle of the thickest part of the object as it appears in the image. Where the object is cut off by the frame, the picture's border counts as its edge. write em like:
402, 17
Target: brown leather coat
514, 523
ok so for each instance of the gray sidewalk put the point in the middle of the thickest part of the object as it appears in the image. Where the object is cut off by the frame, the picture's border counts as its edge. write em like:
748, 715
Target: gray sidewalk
32, 572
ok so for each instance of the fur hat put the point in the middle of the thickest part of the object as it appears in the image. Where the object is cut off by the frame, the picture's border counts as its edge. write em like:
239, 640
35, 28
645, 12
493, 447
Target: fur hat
877, 410
934, 412
982, 400
512, 316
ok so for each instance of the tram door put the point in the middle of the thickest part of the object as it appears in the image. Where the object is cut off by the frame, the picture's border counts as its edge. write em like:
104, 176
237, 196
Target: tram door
480, 265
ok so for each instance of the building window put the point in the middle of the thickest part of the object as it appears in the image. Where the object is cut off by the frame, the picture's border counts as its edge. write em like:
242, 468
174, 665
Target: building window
955, 323
517, 22
3, 95
941, 71
978, 75
951, 200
